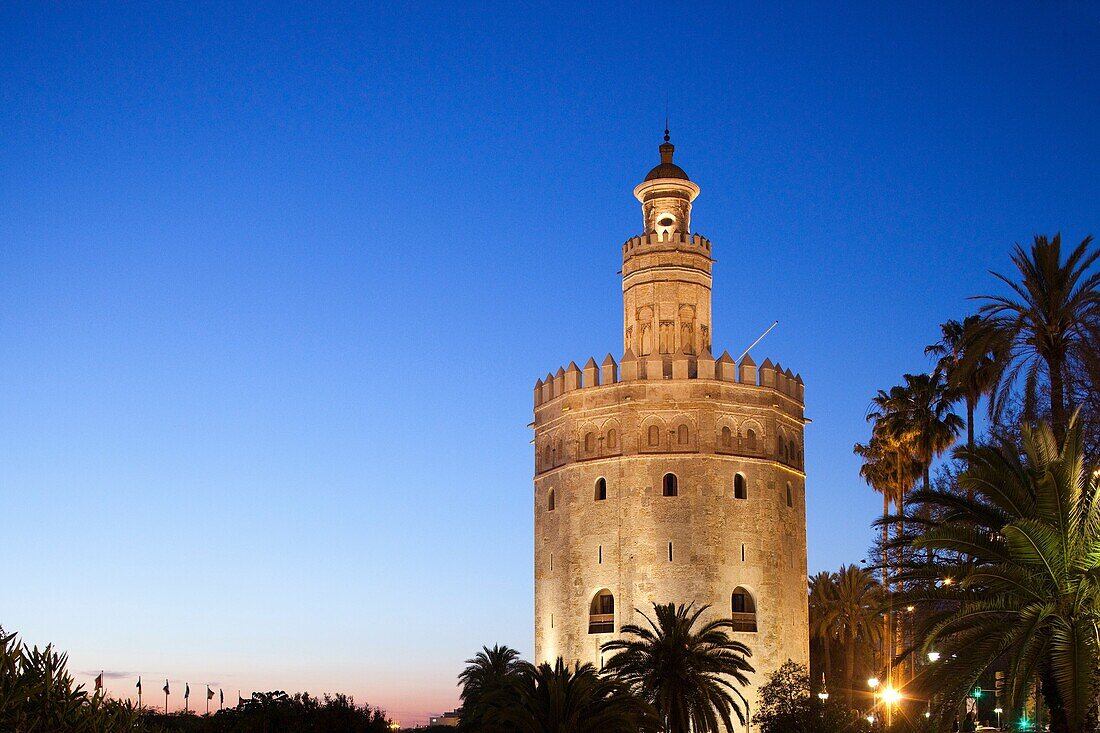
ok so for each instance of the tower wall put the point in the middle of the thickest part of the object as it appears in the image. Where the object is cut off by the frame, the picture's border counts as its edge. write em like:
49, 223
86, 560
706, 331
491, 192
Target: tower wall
719, 542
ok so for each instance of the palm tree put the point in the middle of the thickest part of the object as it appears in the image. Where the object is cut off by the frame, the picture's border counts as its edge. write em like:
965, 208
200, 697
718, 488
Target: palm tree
890, 469
857, 603
487, 677
685, 673
561, 699
929, 424
1028, 587
1047, 326
823, 615
968, 362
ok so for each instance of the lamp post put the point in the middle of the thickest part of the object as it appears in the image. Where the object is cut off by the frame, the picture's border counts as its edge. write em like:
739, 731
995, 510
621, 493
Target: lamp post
998, 711
824, 694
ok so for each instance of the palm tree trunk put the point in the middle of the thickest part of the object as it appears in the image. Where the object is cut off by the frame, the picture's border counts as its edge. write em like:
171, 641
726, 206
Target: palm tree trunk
970, 405
850, 664
887, 637
828, 658
1055, 364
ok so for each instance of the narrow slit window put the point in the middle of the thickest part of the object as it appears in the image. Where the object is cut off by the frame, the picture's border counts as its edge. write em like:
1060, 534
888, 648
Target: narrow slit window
740, 490
790, 495
670, 552
550, 501
599, 555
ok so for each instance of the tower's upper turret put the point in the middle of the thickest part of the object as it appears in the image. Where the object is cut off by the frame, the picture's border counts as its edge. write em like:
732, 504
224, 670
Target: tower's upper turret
666, 195
666, 270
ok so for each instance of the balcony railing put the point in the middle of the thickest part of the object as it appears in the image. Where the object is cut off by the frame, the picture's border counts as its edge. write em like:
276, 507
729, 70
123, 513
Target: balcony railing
601, 623
744, 622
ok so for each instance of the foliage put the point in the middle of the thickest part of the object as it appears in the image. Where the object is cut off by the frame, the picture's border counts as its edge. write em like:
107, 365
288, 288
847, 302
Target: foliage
1047, 331
786, 706
823, 627
969, 363
38, 695
562, 699
488, 675
688, 674
1023, 559
275, 711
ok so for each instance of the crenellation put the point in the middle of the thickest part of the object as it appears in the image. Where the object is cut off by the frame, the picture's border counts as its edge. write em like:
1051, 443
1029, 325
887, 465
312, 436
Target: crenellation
572, 377
679, 366
608, 370
629, 366
591, 374
725, 369
747, 370
705, 366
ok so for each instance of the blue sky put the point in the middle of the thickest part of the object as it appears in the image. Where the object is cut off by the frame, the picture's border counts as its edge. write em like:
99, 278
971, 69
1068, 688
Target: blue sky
276, 281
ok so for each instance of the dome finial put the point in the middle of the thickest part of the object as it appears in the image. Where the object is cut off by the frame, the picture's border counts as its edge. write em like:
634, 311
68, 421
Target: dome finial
666, 128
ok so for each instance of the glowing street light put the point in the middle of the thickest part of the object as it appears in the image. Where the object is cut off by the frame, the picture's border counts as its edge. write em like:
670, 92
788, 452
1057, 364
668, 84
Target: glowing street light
824, 694
998, 711
873, 683
891, 695
933, 656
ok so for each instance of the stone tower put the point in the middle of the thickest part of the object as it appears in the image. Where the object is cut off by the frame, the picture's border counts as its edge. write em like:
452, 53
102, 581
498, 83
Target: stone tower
670, 476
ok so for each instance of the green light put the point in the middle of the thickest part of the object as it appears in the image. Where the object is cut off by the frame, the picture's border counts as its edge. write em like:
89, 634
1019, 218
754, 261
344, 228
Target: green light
977, 692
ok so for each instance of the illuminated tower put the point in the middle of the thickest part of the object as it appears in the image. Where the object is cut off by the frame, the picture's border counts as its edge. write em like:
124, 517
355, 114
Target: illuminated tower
670, 476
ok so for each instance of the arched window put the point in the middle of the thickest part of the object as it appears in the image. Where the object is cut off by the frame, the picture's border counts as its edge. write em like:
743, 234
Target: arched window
612, 439
727, 437
547, 460
550, 501
790, 495
589, 442
561, 450
743, 610
654, 435
782, 449
601, 613
601, 488
740, 490
751, 438
670, 485
682, 435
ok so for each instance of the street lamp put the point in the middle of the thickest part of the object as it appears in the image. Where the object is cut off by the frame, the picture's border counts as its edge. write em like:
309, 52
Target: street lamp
998, 711
933, 656
824, 694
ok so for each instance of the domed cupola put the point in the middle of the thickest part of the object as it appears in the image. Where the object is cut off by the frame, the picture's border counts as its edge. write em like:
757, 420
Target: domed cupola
666, 195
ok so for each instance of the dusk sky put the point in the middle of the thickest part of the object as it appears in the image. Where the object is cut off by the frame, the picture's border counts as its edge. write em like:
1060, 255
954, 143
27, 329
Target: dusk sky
276, 283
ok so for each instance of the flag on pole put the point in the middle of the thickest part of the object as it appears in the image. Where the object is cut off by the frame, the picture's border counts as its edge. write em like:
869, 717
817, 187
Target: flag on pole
221, 696
138, 685
166, 692
209, 693
99, 681
186, 691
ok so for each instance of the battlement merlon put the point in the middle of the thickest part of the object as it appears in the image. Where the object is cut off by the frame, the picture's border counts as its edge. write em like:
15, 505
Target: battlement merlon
667, 241
662, 367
